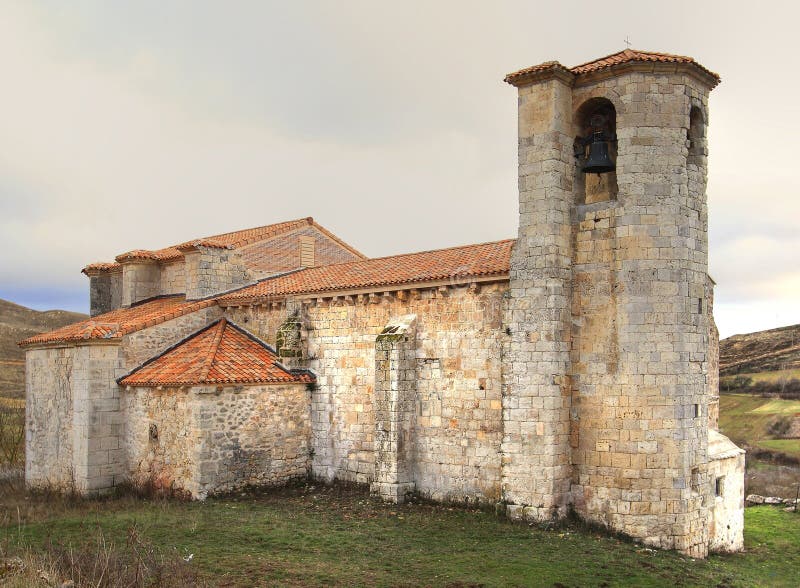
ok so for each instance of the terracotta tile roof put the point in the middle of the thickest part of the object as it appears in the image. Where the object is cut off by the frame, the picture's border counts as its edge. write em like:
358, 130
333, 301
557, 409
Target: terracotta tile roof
101, 267
456, 263
621, 57
233, 240
120, 322
222, 353
224, 241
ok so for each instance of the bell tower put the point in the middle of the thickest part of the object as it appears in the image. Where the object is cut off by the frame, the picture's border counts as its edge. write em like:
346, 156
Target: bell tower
606, 360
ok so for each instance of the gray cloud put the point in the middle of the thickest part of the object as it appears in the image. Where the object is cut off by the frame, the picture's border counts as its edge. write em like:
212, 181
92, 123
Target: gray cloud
142, 124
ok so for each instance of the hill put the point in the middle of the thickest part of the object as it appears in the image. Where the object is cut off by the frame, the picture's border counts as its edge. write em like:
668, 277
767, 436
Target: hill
17, 323
762, 351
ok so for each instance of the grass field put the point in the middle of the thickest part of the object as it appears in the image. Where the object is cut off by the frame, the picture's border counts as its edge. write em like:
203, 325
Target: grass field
746, 419
321, 536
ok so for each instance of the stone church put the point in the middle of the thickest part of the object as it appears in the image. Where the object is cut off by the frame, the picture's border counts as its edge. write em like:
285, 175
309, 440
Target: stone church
573, 368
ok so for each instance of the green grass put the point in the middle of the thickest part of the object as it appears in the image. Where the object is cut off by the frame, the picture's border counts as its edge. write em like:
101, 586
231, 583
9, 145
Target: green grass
745, 418
323, 536
787, 446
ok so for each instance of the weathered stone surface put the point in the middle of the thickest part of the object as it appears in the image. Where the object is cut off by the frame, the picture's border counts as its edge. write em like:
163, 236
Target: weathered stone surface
206, 440
457, 425
73, 420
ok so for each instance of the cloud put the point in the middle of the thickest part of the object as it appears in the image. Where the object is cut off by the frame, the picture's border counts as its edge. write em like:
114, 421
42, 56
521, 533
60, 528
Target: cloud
142, 124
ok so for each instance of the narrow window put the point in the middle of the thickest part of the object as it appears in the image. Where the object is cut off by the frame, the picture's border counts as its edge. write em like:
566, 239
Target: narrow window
719, 486
696, 135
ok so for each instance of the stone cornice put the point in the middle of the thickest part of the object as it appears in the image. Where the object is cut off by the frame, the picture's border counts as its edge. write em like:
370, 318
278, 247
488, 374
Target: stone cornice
430, 285
691, 69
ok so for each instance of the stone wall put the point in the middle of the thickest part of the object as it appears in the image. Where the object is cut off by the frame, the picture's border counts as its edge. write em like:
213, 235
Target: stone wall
640, 335
140, 280
726, 524
173, 278
457, 431
395, 409
536, 456
212, 271
641, 329
712, 370
73, 422
206, 440
105, 292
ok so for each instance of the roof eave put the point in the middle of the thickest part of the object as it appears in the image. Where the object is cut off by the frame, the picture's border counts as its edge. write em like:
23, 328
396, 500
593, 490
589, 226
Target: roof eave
354, 291
693, 69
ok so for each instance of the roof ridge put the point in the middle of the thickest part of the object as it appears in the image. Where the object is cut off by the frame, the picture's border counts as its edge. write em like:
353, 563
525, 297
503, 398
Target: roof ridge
336, 238
341, 263
213, 347
307, 219
632, 54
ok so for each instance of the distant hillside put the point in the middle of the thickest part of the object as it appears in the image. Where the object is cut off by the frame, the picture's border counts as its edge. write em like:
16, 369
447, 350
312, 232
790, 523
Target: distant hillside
17, 323
763, 351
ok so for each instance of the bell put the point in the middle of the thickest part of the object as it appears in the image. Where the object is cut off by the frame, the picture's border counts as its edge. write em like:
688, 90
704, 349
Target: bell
598, 162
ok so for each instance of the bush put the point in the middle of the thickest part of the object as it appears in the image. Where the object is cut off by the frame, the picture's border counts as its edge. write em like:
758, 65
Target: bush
779, 427
12, 435
100, 563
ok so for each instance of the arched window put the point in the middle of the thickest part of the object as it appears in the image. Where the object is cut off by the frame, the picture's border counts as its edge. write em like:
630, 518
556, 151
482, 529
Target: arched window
696, 136
593, 115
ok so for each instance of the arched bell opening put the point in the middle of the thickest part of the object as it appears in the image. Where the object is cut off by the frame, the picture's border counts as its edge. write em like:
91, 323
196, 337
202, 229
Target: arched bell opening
696, 137
595, 149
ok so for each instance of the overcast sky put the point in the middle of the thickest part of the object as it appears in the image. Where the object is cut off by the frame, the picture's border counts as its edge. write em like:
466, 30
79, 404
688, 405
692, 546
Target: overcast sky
142, 124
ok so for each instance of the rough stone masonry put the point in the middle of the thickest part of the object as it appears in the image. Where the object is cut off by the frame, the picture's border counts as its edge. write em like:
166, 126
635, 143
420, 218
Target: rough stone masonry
574, 368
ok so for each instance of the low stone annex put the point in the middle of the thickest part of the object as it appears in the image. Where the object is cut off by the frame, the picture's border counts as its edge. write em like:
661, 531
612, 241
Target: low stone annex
571, 368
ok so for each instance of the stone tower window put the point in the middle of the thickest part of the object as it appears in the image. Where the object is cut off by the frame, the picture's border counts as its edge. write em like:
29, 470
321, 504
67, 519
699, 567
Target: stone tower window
696, 136
590, 188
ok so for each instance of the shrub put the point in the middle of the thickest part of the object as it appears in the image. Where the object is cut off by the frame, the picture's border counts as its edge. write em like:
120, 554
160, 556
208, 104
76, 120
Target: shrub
101, 563
12, 435
779, 427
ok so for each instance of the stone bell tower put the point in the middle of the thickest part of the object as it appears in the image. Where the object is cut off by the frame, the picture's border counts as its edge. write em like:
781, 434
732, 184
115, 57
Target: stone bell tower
605, 369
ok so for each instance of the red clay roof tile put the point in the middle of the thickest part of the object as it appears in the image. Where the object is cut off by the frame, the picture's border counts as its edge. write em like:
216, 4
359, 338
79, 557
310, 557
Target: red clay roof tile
459, 264
120, 322
101, 267
232, 240
222, 353
456, 263
626, 56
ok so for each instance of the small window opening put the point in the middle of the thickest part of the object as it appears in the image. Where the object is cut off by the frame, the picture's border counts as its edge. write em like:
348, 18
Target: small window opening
719, 486
696, 135
153, 432
695, 411
699, 306
696, 479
